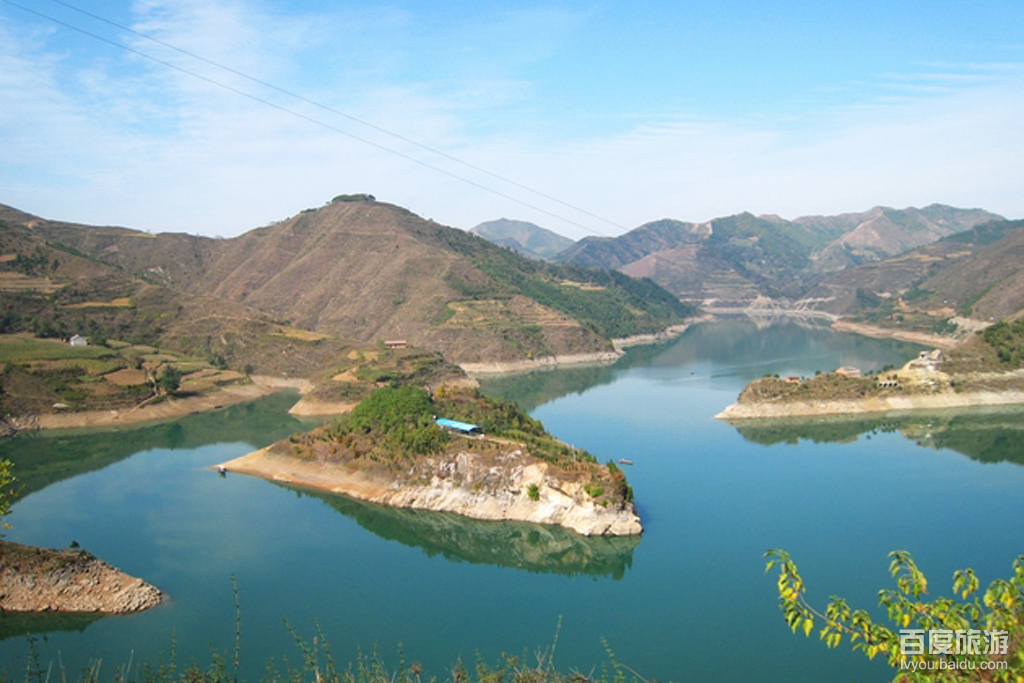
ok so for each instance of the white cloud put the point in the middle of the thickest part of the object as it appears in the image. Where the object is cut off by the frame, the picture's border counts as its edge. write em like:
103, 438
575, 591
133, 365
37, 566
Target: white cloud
118, 139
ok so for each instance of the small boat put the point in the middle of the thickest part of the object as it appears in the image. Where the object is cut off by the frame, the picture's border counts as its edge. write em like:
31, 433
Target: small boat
221, 470
623, 461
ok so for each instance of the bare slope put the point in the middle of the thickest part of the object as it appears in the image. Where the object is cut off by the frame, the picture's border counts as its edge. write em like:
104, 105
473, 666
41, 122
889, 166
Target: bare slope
365, 270
739, 257
974, 273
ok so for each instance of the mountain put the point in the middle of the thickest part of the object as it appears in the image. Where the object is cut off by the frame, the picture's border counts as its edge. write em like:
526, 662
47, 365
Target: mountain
364, 270
525, 238
987, 284
975, 273
736, 258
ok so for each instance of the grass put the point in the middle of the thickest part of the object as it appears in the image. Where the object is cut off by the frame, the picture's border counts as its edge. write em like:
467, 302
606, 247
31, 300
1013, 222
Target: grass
317, 664
19, 348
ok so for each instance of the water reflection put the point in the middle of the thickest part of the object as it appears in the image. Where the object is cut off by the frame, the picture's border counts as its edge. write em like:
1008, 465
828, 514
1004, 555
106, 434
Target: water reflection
983, 434
46, 457
731, 351
15, 624
538, 548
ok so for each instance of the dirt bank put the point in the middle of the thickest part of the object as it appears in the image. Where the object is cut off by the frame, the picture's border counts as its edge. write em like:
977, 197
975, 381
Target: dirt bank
922, 338
747, 411
513, 366
42, 580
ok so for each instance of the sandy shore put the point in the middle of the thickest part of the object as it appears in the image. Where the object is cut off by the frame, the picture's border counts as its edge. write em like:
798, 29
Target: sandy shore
751, 411
922, 338
165, 410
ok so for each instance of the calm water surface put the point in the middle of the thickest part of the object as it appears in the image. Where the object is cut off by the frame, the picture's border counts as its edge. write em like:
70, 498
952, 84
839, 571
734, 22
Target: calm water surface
687, 601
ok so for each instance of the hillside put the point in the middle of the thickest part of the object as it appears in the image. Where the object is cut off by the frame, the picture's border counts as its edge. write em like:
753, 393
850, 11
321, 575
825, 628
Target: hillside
739, 257
526, 239
988, 284
364, 270
974, 273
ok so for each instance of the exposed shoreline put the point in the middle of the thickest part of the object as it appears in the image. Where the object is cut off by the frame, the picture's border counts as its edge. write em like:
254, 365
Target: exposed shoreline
558, 503
593, 358
875, 332
753, 411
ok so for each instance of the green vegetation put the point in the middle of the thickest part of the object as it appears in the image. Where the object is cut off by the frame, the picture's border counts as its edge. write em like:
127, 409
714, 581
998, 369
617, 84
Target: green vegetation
402, 417
824, 387
986, 233
6, 492
21, 349
40, 376
398, 422
170, 380
613, 305
1007, 340
359, 197
995, 615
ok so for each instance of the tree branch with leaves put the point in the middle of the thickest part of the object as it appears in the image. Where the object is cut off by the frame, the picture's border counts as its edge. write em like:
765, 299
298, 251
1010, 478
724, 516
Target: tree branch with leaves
997, 614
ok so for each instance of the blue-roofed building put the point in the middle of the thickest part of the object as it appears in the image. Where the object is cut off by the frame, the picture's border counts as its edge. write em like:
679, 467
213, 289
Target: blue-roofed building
457, 426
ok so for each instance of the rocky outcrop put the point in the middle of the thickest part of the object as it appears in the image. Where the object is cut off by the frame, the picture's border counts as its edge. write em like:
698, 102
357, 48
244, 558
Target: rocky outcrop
490, 486
42, 580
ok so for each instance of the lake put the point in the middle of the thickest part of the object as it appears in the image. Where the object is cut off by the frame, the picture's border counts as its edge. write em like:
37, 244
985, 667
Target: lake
689, 600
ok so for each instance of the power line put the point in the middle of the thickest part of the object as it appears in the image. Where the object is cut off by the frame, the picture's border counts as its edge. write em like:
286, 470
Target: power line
318, 122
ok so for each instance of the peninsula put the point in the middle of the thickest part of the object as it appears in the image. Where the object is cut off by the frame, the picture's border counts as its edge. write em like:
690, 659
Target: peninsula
494, 462
985, 370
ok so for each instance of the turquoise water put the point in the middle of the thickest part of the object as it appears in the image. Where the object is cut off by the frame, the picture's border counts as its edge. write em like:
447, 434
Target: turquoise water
687, 601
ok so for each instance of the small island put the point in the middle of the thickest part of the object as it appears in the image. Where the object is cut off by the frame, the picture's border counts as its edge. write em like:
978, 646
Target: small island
452, 449
985, 370
43, 580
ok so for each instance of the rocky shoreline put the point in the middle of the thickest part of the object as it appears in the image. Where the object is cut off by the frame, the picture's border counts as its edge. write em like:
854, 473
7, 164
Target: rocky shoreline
464, 483
42, 580
876, 404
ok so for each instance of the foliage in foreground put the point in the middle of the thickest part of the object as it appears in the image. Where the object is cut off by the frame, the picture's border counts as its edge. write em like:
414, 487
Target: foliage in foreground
318, 665
997, 614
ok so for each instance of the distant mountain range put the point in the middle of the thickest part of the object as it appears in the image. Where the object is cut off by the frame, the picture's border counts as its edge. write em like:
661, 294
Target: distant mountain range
738, 258
525, 238
355, 268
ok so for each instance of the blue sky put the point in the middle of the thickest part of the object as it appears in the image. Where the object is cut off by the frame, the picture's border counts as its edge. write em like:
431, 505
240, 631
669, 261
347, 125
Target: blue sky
611, 114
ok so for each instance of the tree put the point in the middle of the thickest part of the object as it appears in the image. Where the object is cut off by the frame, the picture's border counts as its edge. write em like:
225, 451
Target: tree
170, 380
985, 635
6, 492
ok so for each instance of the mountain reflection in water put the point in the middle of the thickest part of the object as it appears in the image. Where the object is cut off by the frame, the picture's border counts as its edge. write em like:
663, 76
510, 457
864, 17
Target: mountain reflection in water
983, 434
46, 457
541, 548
